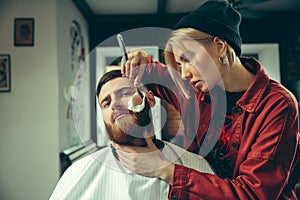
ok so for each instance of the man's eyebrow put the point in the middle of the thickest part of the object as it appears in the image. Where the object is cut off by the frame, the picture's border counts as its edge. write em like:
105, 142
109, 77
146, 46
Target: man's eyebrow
104, 99
123, 88
116, 92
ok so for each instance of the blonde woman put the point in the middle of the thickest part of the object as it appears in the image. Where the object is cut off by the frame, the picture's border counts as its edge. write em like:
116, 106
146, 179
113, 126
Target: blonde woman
234, 114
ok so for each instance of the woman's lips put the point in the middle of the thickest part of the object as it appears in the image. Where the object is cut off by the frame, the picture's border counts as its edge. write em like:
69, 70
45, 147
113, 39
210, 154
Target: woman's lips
196, 84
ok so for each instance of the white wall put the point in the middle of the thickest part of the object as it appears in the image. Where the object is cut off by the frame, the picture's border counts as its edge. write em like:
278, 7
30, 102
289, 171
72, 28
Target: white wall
268, 55
66, 12
30, 114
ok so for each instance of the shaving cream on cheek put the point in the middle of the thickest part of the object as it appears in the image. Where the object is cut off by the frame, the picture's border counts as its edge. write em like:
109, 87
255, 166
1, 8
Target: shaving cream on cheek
133, 102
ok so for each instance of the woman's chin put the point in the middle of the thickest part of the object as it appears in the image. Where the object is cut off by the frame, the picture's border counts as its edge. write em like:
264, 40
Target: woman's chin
202, 89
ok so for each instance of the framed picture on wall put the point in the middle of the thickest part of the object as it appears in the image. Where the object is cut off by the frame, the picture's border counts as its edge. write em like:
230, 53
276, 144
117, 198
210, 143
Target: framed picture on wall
24, 31
5, 73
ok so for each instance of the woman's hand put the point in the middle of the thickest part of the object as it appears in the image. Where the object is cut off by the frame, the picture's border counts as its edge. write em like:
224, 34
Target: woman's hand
146, 161
135, 66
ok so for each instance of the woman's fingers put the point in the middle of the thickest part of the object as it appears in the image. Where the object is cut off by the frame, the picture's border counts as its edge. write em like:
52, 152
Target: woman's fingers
135, 65
127, 68
141, 163
146, 161
129, 149
122, 67
150, 144
139, 74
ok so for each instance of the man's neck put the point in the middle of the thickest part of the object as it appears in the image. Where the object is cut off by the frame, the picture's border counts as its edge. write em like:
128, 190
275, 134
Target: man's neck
158, 143
141, 141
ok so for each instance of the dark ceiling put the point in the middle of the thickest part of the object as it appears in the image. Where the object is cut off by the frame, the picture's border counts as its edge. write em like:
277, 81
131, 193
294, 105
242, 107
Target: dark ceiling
93, 9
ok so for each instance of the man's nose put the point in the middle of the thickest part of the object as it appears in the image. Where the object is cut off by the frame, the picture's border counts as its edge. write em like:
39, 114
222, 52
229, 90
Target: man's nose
116, 104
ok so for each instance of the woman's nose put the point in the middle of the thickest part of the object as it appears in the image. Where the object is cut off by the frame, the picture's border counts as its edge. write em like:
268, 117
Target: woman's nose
185, 73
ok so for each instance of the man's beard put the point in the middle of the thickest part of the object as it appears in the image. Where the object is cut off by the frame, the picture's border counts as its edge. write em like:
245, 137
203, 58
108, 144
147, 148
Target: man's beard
131, 127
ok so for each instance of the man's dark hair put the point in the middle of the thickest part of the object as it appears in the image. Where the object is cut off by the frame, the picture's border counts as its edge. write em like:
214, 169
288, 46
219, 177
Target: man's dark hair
107, 77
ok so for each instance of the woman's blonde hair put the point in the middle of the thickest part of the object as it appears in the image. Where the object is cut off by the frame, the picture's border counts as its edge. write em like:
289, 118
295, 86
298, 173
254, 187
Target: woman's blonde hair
178, 38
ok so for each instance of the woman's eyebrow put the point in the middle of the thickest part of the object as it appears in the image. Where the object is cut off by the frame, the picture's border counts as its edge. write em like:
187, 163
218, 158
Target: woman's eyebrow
188, 55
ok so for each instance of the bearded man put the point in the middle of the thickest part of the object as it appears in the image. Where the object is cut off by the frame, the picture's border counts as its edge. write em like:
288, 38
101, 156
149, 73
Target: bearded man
128, 120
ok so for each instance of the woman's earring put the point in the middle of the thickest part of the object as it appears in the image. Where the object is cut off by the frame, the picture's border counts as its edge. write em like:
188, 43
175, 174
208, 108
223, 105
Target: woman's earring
224, 60
220, 60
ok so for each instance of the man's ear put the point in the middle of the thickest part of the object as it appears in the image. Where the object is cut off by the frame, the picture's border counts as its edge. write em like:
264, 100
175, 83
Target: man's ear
150, 98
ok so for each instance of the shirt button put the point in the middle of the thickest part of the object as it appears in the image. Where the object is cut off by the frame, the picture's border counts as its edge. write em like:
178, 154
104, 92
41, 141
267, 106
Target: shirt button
235, 145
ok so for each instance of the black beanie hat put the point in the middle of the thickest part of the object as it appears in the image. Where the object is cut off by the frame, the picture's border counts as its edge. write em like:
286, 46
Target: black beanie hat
217, 18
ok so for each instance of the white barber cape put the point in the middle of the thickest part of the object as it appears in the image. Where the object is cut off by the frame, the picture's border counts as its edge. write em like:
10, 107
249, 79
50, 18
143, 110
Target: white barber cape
101, 176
